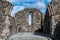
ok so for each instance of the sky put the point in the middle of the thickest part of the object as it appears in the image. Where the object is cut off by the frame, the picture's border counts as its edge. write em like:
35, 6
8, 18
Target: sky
21, 4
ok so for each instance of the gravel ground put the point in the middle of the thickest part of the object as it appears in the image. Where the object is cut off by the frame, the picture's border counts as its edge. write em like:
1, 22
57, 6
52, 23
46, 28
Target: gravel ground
27, 36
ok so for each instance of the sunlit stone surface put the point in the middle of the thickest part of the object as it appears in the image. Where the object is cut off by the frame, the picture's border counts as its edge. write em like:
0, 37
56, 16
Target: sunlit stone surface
27, 36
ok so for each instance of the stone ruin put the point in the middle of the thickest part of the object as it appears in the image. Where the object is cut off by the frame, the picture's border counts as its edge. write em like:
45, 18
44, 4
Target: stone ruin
48, 24
24, 24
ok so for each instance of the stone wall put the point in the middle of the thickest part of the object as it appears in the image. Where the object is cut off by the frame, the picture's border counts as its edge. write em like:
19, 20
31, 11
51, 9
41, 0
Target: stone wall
52, 18
13, 28
5, 11
22, 20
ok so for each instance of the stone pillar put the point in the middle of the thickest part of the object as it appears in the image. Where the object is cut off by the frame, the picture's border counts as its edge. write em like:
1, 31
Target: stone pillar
48, 19
5, 12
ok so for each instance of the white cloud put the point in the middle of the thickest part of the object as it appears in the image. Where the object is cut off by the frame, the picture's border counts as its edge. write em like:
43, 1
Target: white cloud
35, 5
39, 4
43, 10
13, 1
22, 0
48, 0
16, 9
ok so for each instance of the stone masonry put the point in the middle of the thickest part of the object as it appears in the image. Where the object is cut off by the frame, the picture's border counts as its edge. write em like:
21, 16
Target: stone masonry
30, 20
13, 28
53, 16
5, 11
22, 20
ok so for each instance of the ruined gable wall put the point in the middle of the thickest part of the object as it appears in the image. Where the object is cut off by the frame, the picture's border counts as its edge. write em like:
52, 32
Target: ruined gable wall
22, 20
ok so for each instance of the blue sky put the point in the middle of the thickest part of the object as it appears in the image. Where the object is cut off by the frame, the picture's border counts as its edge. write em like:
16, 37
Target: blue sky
21, 4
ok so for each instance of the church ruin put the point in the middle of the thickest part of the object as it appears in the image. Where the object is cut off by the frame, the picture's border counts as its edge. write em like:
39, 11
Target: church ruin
30, 20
